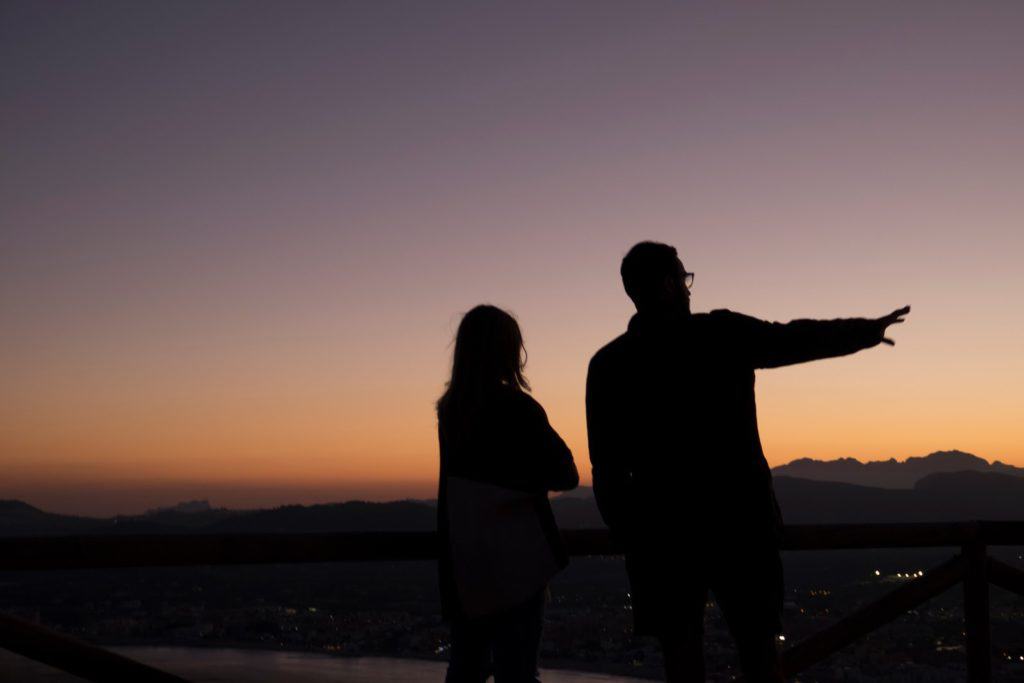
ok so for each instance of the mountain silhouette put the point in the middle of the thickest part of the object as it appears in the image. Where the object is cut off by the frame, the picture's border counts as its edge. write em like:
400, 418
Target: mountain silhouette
403, 515
892, 474
938, 496
186, 507
21, 519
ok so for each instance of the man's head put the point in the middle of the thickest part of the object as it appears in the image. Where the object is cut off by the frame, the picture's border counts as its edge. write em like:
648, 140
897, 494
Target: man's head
655, 279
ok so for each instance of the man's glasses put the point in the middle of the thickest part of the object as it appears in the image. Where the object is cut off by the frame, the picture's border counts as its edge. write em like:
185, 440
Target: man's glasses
688, 279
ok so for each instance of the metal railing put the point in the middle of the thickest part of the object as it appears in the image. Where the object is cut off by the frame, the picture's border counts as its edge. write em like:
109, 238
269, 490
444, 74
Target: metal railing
972, 566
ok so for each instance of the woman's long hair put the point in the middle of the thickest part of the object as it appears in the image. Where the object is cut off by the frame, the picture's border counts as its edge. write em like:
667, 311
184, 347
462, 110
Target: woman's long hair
489, 354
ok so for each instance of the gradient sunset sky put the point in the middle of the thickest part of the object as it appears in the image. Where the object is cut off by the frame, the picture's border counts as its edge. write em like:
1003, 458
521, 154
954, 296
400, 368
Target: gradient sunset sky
237, 237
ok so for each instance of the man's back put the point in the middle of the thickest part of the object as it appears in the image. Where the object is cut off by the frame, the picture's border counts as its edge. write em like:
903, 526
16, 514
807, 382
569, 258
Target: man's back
672, 418
673, 427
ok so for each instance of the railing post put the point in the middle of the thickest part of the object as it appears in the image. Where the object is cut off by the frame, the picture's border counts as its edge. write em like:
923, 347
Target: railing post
976, 613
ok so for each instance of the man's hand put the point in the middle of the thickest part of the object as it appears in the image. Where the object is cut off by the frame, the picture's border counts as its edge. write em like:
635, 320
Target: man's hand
892, 319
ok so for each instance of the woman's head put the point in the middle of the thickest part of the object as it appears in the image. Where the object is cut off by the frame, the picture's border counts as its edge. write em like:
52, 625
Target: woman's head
489, 354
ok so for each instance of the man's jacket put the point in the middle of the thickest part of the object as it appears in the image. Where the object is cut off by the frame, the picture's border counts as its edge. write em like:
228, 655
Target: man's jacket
672, 421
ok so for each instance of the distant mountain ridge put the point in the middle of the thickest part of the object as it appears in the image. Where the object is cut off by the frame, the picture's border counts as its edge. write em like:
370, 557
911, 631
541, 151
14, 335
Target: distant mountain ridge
186, 507
942, 486
21, 519
938, 497
892, 473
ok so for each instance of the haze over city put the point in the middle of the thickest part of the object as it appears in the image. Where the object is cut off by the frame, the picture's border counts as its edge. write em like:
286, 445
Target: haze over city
235, 246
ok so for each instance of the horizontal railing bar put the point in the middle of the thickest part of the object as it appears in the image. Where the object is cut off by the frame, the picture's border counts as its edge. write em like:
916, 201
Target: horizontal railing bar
84, 552
74, 656
1006, 576
913, 535
81, 552
817, 647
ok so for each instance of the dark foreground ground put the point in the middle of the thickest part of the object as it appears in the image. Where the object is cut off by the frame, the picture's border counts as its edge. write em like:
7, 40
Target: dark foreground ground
391, 610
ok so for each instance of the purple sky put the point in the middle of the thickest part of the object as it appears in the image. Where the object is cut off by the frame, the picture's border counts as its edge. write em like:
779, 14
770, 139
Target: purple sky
236, 237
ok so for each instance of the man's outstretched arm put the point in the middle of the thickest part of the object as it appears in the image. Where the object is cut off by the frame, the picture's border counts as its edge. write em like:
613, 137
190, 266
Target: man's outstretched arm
771, 345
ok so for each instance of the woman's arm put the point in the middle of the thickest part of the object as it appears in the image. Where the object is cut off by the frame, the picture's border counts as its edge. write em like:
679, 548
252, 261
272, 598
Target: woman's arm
552, 465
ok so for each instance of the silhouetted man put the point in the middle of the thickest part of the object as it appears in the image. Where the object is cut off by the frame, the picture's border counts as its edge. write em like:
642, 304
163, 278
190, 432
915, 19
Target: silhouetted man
679, 474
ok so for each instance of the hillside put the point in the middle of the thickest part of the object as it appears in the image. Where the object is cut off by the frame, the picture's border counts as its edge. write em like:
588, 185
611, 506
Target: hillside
892, 473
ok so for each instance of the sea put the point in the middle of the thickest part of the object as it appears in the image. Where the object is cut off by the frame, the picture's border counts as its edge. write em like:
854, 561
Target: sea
207, 665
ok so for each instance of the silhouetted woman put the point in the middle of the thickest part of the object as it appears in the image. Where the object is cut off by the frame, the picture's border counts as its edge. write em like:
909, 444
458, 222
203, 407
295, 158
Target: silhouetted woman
499, 542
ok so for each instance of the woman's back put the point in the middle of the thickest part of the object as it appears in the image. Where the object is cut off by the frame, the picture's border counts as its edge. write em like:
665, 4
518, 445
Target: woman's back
499, 545
496, 471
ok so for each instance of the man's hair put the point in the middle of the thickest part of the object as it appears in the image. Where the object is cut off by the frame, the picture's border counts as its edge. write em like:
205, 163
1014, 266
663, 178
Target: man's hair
645, 268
